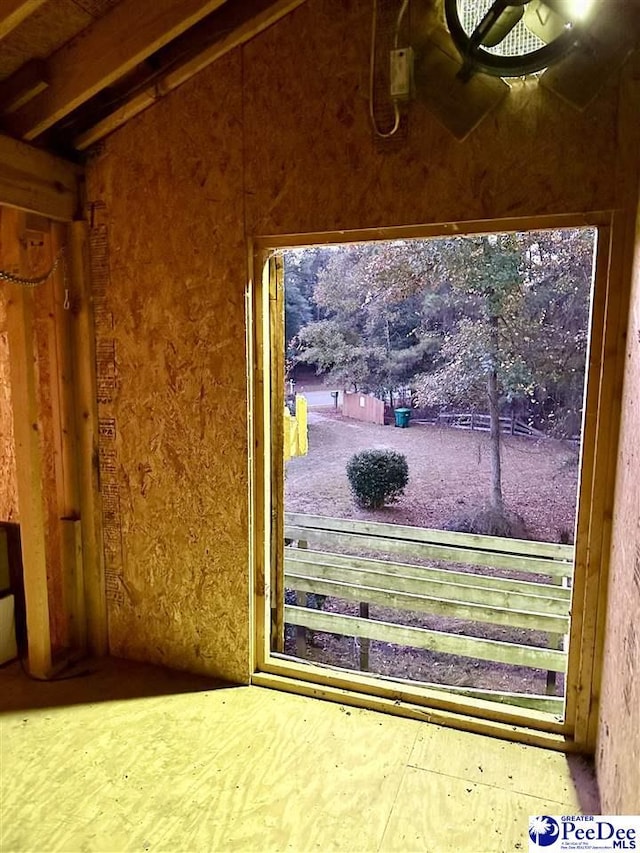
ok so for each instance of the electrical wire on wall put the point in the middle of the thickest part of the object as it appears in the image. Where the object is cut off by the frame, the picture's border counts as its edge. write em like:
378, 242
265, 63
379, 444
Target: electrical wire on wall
372, 70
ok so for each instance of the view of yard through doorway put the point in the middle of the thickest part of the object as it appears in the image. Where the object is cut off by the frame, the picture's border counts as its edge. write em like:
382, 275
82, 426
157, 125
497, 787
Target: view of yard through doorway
461, 362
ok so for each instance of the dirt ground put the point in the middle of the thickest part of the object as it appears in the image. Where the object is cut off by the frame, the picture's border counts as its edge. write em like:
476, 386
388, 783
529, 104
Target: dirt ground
449, 472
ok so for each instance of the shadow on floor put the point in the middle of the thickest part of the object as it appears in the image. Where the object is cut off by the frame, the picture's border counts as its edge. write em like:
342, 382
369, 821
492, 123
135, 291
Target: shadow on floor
96, 680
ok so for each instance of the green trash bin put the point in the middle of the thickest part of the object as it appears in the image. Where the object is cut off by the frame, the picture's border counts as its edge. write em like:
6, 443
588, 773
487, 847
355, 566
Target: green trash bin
402, 417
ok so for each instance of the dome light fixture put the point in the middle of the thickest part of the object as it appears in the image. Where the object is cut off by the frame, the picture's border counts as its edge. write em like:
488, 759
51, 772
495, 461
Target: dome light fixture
512, 38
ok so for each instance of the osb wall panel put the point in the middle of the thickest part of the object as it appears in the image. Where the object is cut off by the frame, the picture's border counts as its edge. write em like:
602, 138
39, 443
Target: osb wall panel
312, 163
618, 752
175, 421
273, 139
8, 484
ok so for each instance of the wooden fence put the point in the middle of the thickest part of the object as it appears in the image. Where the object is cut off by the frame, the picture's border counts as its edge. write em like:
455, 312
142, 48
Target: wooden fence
473, 421
535, 595
363, 407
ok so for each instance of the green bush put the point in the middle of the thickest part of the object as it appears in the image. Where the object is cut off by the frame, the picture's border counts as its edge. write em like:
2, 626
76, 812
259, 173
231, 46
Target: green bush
377, 477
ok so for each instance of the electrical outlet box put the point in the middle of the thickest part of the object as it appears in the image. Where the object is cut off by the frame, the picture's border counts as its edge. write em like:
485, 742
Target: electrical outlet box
401, 74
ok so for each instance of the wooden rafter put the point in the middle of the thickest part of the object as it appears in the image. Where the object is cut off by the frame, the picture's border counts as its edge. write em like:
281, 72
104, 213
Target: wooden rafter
33, 180
232, 25
22, 86
104, 52
14, 12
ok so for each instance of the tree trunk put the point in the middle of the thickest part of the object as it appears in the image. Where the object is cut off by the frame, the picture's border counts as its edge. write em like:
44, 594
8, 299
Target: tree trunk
497, 503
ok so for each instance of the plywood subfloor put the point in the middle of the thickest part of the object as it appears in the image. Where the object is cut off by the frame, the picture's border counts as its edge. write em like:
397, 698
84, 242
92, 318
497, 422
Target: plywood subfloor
138, 759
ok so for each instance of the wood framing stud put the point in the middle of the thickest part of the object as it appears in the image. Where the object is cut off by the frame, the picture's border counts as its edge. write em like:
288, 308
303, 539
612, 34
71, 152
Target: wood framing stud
93, 580
29, 457
22, 86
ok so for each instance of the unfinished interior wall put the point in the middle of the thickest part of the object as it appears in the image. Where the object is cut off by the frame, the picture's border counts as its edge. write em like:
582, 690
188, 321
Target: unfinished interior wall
275, 138
312, 162
8, 484
618, 753
178, 586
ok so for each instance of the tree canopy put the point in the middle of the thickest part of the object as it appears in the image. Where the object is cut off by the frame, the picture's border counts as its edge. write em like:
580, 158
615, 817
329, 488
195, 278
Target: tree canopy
439, 315
368, 332
484, 322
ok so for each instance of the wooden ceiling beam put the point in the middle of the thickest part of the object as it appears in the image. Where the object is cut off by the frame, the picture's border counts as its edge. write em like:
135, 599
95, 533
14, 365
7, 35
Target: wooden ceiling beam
103, 53
14, 12
22, 86
234, 24
35, 181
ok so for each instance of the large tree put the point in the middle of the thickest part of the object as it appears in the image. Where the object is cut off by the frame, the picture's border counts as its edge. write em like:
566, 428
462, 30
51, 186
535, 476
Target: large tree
519, 333
369, 333
476, 362
558, 274
302, 268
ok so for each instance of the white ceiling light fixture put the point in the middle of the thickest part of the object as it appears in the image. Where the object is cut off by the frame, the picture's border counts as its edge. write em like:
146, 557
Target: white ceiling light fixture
511, 38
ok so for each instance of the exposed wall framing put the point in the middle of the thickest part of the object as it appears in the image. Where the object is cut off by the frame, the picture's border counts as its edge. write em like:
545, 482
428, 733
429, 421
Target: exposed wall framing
8, 476
91, 586
41, 557
47, 338
41, 379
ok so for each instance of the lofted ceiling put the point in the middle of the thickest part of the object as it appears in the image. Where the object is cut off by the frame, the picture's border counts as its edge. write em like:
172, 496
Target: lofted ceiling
71, 71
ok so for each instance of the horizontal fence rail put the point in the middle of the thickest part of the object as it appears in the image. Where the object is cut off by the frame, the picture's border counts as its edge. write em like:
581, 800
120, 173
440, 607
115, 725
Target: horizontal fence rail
424, 638
442, 603
490, 551
536, 596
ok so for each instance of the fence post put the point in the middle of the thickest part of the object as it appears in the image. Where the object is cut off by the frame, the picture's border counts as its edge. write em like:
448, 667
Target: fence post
301, 631
364, 641
555, 641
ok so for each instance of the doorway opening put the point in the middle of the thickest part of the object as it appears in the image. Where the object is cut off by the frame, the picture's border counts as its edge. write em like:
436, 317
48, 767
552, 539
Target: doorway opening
427, 399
